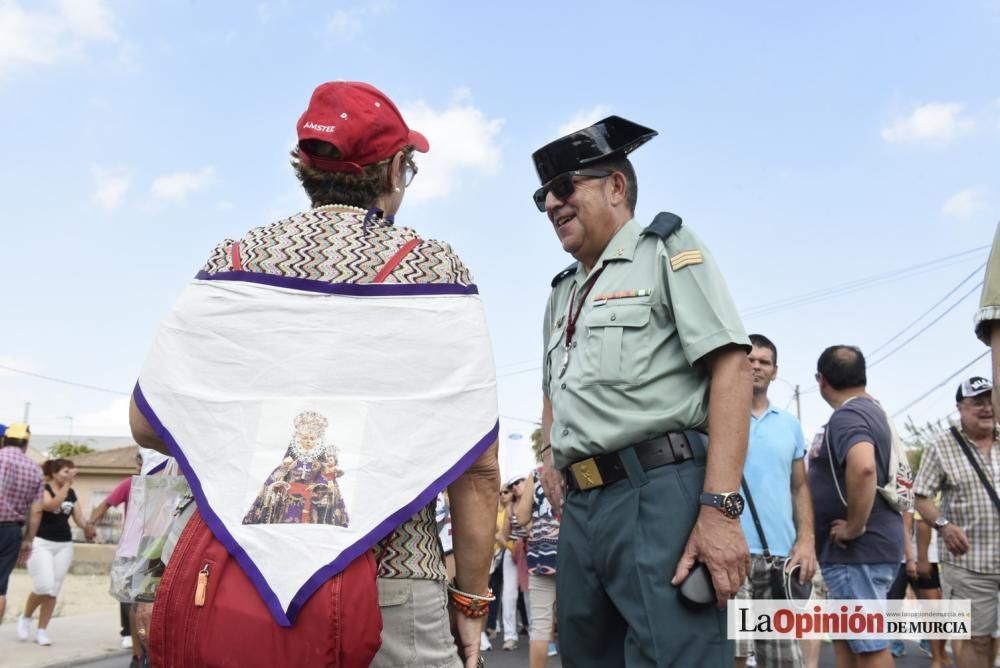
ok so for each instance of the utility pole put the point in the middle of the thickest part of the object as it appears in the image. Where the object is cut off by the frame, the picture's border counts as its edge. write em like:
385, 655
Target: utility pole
27, 411
798, 404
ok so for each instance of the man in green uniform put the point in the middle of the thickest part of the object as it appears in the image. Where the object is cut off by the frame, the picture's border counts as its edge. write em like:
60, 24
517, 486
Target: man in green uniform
644, 353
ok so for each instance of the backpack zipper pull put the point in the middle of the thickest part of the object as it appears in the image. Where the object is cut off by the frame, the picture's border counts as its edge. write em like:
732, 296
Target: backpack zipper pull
199, 592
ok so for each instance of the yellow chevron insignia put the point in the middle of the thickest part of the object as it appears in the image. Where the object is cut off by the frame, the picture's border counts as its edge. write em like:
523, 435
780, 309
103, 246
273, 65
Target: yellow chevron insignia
685, 259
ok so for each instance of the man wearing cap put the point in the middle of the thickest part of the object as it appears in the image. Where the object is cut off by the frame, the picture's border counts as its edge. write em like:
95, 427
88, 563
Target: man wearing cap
643, 353
21, 485
354, 159
967, 519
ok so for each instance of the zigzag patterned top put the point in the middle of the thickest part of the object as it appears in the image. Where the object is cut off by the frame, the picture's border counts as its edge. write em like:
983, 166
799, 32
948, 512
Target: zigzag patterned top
340, 247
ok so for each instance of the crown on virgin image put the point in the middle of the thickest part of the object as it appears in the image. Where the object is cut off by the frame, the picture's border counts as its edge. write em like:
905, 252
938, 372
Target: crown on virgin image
310, 421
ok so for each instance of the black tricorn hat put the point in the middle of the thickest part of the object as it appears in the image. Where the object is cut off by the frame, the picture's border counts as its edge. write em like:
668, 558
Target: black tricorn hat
611, 136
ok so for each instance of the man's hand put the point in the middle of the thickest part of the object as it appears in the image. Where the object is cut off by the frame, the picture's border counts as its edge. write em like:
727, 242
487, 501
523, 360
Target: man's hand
842, 534
553, 484
718, 542
911, 569
24, 554
954, 539
89, 532
466, 632
804, 555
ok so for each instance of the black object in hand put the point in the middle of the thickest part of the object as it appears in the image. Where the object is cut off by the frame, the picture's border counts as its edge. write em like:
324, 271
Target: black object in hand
697, 590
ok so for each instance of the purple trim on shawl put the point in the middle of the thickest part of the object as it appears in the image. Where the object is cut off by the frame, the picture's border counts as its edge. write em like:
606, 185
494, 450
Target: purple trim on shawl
350, 289
159, 467
218, 528
372, 214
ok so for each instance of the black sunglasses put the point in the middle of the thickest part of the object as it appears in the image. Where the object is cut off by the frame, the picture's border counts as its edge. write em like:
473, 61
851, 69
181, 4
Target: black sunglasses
564, 185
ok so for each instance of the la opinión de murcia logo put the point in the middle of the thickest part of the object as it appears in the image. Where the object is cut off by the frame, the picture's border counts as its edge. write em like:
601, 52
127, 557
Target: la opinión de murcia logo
768, 619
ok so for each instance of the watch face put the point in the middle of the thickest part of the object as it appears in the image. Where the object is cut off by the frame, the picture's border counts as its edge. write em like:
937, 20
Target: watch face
732, 504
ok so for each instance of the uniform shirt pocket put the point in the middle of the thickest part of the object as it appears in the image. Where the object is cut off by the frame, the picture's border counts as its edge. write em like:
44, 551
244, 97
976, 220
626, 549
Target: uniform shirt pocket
617, 351
553, 357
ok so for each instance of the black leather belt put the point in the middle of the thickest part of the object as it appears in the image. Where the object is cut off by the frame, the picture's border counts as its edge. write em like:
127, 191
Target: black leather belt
600, 470
11, 524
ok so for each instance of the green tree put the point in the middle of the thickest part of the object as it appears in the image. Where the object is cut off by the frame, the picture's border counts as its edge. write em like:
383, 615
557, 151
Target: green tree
536, 444
68, 449
917, 438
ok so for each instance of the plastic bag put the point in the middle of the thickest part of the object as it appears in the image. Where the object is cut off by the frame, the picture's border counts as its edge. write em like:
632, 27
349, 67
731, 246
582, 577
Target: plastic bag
155, 502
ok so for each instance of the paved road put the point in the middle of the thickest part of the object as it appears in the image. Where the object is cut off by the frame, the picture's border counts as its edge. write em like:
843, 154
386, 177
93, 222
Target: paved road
519, 659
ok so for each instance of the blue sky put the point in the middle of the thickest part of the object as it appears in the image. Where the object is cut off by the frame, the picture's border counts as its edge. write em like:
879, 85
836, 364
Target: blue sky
810, 145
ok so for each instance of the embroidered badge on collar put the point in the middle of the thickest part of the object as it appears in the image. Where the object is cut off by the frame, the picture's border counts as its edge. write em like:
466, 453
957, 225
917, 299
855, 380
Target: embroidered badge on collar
685, 259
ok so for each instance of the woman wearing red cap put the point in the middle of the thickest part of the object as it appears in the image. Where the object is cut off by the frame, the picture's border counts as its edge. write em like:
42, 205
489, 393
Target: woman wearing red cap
354, 159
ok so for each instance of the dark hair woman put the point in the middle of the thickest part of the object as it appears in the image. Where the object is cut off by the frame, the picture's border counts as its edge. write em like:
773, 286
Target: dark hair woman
52, 549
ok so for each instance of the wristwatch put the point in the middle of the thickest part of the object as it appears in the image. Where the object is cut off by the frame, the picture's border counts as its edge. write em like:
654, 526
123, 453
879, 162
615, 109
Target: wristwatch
941, 522
729, 503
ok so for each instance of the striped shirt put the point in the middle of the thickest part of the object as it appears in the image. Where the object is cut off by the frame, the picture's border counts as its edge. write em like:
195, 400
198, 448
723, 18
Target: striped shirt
21, 484
543, 539
964, 501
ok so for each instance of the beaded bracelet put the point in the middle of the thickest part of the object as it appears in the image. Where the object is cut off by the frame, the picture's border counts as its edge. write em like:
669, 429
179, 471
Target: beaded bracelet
468, 604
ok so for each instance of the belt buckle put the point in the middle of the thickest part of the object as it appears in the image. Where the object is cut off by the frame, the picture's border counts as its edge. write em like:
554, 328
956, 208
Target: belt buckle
587, 474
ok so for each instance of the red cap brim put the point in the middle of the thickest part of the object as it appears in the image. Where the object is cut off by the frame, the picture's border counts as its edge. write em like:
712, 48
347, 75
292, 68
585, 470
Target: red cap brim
419, 142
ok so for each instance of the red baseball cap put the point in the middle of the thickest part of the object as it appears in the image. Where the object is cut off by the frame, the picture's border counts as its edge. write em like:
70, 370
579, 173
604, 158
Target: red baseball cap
357, 118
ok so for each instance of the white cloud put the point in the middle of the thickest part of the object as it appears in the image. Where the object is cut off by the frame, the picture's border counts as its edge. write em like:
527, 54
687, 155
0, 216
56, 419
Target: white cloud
110, 186
462, 140
968, 203
344, 25
934, 123
176, 187
46, 36
582, 119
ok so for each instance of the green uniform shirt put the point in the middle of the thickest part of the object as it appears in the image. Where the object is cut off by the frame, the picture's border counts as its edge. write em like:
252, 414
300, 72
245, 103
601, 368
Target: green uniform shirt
634, 371
989, 302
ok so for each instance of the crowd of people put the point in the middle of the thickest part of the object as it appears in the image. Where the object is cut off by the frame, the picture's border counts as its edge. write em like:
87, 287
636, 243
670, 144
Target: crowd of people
668, 483
36, 505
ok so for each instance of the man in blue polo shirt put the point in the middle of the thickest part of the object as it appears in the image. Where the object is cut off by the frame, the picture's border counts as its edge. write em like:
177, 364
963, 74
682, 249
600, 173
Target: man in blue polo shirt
775, 479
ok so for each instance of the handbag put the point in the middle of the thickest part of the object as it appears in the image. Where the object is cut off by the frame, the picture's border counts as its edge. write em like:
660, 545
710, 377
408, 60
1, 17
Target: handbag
990, 491
154, 501
208, 612
784, 583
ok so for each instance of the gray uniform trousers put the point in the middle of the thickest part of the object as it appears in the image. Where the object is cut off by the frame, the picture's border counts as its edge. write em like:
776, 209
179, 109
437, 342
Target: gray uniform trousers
618, 548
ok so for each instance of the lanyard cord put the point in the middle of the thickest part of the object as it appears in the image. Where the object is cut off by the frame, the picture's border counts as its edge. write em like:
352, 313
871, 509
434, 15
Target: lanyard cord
571, 318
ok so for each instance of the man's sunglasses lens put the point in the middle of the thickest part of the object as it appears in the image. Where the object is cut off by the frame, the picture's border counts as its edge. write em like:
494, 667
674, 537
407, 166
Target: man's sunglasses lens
562, 187
539, 198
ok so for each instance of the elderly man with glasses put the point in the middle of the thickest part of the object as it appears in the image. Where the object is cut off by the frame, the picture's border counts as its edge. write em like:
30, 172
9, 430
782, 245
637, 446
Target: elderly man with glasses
644, 354
963, 464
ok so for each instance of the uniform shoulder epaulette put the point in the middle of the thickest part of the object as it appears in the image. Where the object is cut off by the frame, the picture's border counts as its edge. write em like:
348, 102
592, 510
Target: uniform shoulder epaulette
568, 271
663, 225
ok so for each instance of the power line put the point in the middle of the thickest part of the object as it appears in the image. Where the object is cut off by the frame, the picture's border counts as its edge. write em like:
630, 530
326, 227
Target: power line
64, 382
938, 386
858, 284
928, 311
928, 325
536, 422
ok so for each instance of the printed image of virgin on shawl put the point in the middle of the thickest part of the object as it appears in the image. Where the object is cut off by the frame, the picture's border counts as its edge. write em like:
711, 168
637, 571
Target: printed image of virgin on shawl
303, 488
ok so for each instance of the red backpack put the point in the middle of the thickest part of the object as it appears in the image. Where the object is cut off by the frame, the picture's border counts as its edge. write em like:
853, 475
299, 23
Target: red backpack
208, 613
